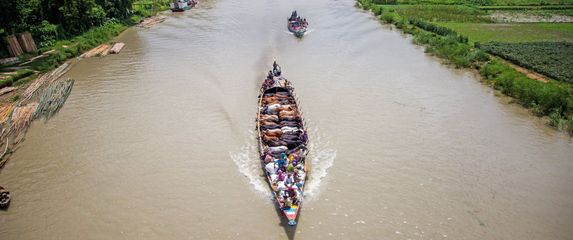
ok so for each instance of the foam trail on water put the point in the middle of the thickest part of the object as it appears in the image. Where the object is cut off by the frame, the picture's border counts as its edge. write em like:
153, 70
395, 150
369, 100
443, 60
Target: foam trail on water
249, 165
319, 160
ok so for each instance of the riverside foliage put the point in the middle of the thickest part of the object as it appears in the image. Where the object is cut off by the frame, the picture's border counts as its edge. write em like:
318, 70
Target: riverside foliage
554, 99
50, 20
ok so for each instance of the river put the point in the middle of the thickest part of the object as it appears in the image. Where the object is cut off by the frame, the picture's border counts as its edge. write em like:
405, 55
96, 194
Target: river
158, 142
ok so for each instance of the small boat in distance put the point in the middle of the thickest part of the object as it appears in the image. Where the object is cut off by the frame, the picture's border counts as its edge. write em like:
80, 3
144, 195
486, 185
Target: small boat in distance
297, 25
4, 198
182, 5
282, 143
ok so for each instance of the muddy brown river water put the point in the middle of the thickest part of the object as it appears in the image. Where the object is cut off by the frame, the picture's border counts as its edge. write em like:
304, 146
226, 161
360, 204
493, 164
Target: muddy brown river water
158, 141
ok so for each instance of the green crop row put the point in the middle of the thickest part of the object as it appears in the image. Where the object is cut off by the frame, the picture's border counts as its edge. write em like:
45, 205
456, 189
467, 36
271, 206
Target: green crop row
553, 59
441, 13
480, 2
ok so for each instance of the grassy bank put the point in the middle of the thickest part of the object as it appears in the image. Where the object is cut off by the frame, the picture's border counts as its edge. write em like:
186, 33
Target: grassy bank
553, 99
66, 49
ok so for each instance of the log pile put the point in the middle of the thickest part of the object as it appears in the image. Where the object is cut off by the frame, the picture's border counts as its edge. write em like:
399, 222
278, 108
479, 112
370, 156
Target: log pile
27, 42
5, 111
7, 90
22, 117
99, 50
148, 22
116, 48
13, 46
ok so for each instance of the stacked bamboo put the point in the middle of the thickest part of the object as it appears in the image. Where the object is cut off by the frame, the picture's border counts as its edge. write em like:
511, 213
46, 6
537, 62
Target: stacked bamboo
5, 111
151, 21
53, 98
48, 77
116, 48
8, 61
13, 46
99, 50
7, 90
22, 117
27, 42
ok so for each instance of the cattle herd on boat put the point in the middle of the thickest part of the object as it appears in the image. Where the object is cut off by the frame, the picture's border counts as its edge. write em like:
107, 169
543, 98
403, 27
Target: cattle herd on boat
283, 142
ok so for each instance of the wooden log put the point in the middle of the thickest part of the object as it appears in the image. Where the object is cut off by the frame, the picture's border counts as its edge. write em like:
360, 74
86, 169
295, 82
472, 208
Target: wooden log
13, 46
96, 51
27, 42
105, 51
9, 61
116, 48
7, 90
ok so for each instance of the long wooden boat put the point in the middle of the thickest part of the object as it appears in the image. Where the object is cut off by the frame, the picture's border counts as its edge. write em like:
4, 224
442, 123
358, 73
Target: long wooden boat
282, 144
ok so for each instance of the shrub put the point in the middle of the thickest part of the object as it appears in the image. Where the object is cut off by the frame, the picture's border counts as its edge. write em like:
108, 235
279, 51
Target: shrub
545, 97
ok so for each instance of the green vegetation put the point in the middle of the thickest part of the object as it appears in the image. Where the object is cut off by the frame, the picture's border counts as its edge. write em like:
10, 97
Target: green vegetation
10, 80
66, 28
527, 7
65, 49
55, 20
148, 8
51, 22
526, 32
549, 58
480, 2
547, 97
553, 99
15, 98
441, 13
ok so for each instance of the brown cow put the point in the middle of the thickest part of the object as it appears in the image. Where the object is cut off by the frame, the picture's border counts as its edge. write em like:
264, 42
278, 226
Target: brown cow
273, 132
269, 117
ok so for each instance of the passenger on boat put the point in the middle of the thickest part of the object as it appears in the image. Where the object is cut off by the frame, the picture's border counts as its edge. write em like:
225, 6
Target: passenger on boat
290, 168
288, 203
299, 183
277, 71
293, 15
281, 186
268, 158
290, 179
271, 167
280, 163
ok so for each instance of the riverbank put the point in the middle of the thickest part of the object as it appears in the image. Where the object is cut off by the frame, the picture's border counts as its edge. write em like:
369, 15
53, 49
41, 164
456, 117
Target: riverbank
34, 90
553, 99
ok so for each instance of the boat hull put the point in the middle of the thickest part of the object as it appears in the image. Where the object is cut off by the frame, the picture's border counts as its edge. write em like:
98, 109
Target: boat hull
291, 213
298, 32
